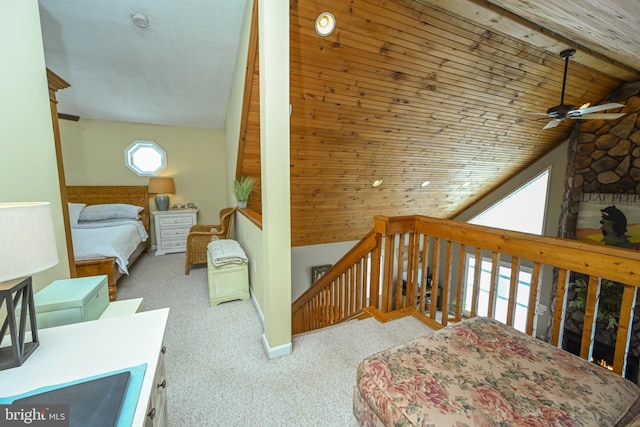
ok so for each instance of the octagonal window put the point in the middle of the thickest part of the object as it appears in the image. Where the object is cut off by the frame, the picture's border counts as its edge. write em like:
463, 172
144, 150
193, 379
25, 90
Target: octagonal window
145, 158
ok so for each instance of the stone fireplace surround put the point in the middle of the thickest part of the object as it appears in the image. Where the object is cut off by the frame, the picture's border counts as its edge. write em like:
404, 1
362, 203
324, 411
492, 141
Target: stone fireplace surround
604, 157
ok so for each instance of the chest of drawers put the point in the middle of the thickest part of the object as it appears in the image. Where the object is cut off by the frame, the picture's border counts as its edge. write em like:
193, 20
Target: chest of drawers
172, 228
80, 351
157, 406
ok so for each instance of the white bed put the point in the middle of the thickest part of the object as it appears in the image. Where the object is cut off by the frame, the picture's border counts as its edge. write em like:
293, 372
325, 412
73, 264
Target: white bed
132, 202
111, 238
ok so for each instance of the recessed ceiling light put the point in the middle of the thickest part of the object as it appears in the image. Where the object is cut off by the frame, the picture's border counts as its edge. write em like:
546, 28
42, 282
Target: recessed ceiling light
425, 183
325, 24
376, 183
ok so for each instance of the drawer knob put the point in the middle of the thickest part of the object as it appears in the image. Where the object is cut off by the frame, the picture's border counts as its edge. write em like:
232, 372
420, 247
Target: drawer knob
163, 384
164, 349
152, 413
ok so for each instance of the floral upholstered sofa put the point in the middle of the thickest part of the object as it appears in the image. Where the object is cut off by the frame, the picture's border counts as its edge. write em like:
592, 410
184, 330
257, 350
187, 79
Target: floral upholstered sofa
480, 372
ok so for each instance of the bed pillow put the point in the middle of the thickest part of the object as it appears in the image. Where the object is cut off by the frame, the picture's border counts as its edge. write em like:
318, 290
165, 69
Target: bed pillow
74, 212
110, 211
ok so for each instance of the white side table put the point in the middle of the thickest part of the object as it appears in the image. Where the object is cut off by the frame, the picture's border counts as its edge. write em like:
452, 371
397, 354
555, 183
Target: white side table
172, 228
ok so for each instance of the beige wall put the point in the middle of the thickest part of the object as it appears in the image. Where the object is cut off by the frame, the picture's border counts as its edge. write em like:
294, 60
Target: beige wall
93, 153
246, 233
234, 111
268, 247
273, 24
250, 238
270, 275
28, 168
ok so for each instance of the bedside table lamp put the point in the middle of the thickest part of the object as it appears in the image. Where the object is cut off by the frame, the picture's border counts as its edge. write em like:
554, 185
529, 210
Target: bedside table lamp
27, 246
161, 187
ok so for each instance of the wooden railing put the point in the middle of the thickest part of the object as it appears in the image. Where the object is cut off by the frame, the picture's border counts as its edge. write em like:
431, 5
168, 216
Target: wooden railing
341, 293
390, 267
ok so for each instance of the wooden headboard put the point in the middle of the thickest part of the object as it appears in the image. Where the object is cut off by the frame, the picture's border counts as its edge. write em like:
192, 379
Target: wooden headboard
137, 195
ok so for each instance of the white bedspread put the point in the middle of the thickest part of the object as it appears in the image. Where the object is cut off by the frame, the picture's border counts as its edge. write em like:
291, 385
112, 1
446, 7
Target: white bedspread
99, 239
115, 222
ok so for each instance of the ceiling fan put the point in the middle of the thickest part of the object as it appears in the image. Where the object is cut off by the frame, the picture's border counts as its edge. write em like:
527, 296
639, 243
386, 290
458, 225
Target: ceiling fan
564, 111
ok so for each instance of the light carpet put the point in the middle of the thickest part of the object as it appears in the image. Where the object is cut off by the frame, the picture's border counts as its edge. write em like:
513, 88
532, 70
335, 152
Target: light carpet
218, 373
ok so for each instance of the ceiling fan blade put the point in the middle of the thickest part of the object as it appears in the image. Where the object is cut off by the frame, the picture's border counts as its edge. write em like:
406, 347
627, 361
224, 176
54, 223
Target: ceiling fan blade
536, 114
595, 108
602, 116
567, 111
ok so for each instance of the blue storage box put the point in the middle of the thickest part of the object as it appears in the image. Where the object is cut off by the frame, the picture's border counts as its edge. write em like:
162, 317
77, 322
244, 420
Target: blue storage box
71, 301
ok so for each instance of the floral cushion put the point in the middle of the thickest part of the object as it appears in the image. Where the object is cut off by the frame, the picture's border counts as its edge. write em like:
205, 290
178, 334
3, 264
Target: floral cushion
480, 372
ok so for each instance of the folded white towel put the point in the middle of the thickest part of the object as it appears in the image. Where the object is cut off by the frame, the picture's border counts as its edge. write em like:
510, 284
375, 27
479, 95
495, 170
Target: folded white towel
223, 252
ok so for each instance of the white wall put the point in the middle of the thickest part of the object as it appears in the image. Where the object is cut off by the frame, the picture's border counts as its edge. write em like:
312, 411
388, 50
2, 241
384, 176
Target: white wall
305, 257
234, 111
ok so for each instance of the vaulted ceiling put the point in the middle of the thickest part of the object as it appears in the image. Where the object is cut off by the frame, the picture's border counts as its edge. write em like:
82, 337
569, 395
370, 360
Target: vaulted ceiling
404, 91
176, 68
409, 91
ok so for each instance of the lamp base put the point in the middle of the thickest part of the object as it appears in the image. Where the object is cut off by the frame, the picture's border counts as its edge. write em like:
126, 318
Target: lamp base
162, 202
17, 297
7, 358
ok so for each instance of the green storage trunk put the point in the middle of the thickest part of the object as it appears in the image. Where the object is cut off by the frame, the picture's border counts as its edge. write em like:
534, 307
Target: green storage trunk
71, 301
227, 283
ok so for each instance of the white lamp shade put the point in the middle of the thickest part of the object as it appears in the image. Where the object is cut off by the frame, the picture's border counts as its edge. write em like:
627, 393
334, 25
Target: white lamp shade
27, 239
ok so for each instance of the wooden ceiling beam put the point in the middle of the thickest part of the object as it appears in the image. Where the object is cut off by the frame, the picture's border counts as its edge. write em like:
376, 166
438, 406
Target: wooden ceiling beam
487, 14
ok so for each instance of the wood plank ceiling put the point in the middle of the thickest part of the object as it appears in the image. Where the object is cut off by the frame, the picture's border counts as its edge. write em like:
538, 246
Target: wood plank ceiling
406, 92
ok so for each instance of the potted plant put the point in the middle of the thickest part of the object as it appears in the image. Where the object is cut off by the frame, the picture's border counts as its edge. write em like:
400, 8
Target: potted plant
610, 300
242, 187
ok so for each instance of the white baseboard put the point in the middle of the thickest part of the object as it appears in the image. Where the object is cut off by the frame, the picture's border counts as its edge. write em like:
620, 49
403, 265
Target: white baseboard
257, 306
274, 352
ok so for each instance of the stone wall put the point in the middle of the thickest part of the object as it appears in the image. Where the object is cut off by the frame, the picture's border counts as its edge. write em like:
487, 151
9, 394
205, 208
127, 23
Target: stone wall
604, 157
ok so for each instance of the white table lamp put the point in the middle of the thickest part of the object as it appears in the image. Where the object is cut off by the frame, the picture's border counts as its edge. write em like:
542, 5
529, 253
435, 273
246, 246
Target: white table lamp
162, 187
27, 246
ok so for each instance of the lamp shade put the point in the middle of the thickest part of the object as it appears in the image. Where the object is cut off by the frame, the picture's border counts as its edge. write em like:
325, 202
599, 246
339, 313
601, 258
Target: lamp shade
161, 185
27, 239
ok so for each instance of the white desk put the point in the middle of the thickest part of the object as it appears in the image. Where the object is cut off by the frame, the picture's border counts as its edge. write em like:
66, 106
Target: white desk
72, 352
